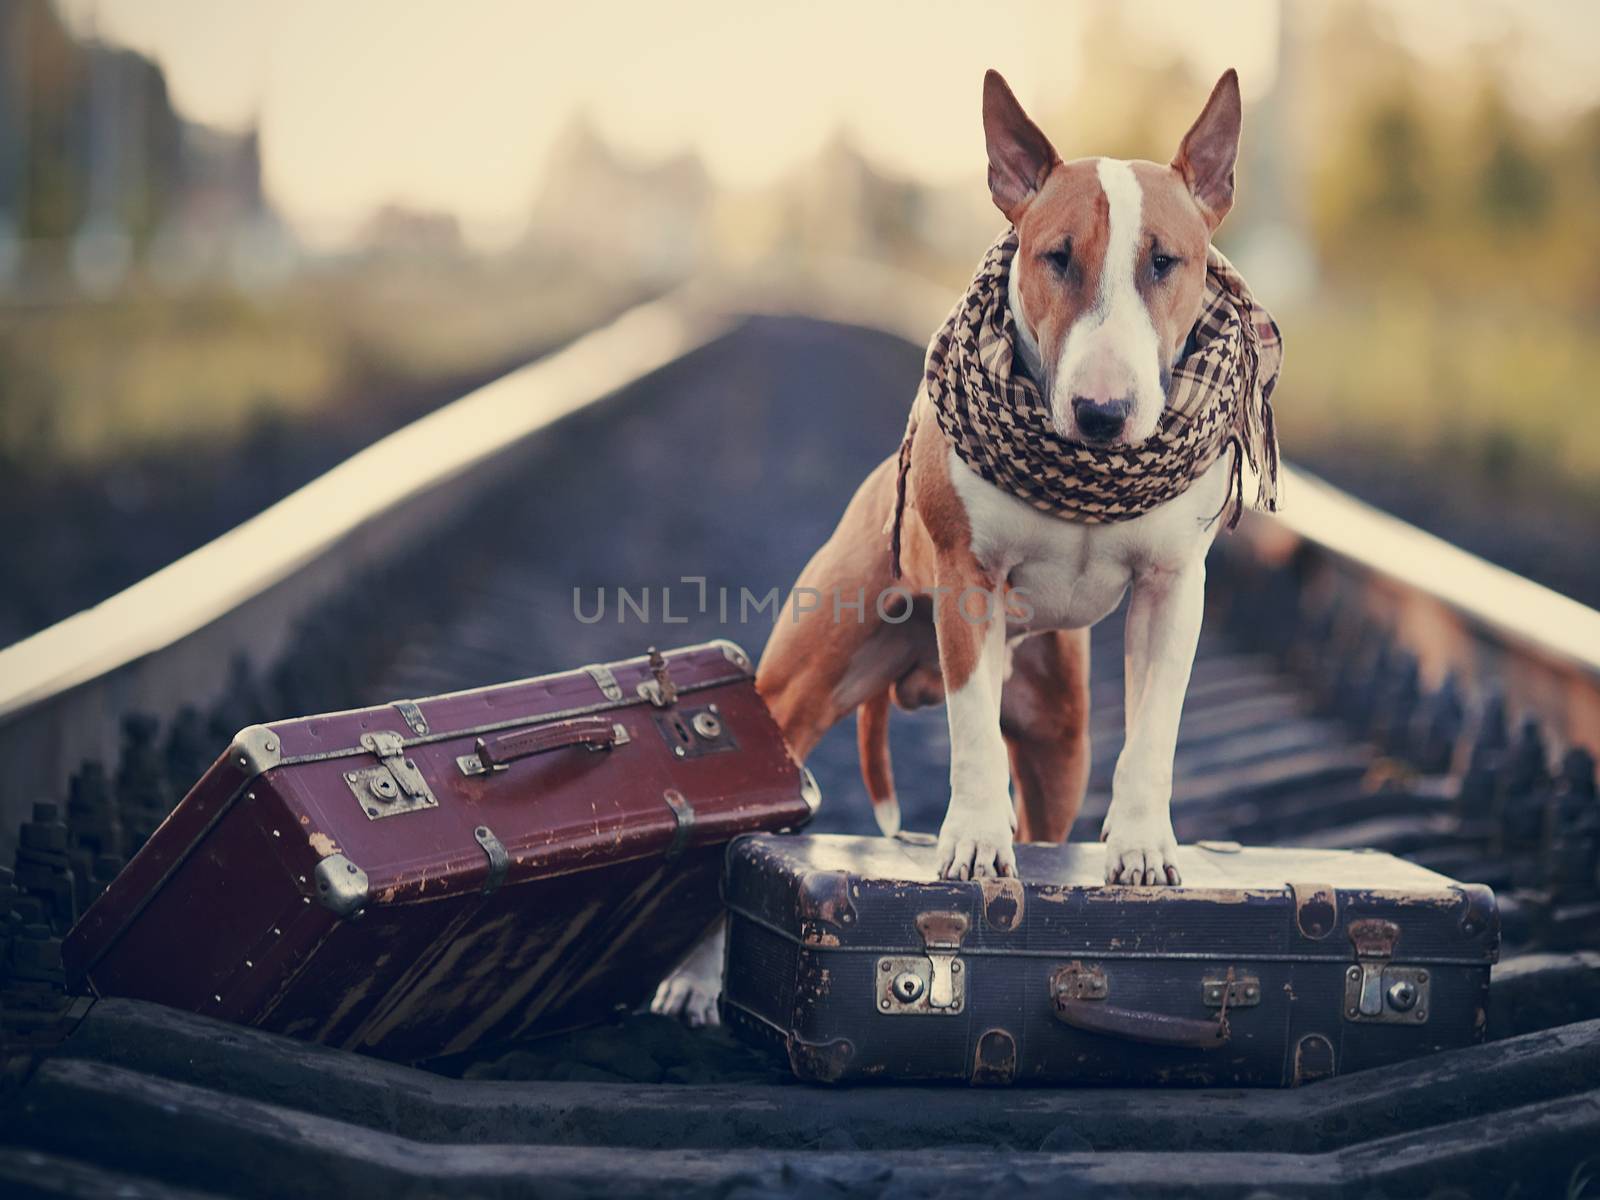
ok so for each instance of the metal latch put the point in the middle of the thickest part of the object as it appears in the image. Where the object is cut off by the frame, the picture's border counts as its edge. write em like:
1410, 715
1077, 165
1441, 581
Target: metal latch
1377, 990
1243, 992
683, 816
605, 680
499, 860
926, 984
1075, 981
394, 786
659, 689
415, 721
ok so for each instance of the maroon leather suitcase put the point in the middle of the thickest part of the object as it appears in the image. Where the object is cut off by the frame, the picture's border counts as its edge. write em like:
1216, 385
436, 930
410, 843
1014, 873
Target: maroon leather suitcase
415, 878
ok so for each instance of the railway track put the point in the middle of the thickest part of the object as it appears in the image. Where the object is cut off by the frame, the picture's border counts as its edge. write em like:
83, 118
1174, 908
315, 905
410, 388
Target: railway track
1357, 685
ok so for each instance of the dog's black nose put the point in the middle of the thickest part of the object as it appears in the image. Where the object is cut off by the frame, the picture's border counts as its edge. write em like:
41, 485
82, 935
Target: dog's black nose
1100, 420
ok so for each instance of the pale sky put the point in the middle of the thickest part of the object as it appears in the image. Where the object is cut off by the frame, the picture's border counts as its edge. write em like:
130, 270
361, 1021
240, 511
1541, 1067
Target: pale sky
452, 104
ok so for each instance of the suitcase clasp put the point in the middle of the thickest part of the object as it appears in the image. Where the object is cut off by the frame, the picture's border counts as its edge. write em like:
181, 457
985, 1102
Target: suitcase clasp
942, 933
929, 984
1375, 989
394, 786
660, 690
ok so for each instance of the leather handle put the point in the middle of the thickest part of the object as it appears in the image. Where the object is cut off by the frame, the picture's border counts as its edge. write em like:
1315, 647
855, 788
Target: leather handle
597, 733
1156, 1029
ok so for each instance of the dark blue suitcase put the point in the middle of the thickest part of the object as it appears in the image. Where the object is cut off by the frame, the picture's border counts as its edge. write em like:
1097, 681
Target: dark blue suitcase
1267, 967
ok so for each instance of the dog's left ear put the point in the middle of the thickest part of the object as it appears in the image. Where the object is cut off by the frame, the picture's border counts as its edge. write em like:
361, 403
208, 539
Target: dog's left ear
1210, 148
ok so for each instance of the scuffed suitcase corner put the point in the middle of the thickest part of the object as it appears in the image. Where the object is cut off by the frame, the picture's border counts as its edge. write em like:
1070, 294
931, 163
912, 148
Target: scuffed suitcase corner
1480, 916
255, 750
1316, 909
994, 1064
735, 654
1004, 902
342, 887
824, 907
821, 1062
1314, 1059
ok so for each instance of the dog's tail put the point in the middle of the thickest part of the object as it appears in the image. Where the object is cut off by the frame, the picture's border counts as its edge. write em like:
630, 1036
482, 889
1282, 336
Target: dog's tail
872, 740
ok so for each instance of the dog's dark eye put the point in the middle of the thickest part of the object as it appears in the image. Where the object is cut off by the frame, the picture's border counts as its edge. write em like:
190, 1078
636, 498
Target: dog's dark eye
1061, 259
1161, 264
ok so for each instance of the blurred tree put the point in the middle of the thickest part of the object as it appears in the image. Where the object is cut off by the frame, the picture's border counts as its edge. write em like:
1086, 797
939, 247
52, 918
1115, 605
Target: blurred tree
1396, 162
1513, 183
52, 181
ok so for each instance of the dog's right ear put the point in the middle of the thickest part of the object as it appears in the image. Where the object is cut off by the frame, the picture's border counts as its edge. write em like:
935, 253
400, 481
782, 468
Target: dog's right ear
1020, 157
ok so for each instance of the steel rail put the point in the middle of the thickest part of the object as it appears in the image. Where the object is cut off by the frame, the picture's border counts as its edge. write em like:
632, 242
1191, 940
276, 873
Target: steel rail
1455, 613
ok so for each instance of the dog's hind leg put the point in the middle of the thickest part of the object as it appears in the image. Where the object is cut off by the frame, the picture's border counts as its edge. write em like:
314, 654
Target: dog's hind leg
831, 649
1044, 715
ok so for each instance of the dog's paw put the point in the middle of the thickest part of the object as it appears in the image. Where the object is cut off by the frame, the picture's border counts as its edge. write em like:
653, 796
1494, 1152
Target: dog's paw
689, 996
974, 846
1140, 850
690, 992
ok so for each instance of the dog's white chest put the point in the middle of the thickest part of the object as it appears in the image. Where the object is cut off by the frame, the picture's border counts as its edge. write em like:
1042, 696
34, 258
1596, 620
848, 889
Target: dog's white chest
1073, 575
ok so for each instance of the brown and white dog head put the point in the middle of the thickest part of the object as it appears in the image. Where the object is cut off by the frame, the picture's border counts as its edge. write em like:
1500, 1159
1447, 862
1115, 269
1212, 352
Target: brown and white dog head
1111, 258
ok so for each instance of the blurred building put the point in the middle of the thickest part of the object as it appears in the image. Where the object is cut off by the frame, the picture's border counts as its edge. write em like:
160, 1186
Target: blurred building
410, 233
1274, 248
596, 205
100, 177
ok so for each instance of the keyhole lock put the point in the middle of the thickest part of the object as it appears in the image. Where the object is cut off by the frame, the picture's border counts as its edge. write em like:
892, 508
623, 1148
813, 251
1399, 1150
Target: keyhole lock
1402, 995
907, 987
383, 787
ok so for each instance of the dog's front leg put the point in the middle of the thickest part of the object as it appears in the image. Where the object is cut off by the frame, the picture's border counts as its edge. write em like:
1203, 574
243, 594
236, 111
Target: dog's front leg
980, 824
1163, 627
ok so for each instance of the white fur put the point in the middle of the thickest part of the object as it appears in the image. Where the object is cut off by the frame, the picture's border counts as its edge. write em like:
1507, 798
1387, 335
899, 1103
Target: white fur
1112, 350
1074, 575
691, 991
980, 824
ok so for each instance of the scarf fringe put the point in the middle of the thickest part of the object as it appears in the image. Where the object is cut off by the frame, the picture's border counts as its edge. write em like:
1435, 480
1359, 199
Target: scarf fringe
897, 517
1257, 431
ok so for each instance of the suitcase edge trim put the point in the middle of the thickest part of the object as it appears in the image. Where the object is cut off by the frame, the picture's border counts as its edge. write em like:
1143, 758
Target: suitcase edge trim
1097, 953
729, 650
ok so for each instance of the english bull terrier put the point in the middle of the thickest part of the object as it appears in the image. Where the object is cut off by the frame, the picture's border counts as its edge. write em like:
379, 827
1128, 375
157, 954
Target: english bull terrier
1105, 285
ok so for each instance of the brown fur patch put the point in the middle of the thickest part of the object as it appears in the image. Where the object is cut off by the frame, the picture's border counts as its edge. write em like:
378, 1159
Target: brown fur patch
1172, 224
938, 554
802, 673
1044, 714
872, 745
1072, 208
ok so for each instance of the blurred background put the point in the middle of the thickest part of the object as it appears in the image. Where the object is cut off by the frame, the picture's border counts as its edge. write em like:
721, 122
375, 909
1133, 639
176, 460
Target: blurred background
240, 240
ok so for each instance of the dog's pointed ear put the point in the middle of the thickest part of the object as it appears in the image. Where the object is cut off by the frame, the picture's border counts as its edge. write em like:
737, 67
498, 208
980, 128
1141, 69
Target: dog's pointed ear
1019, 155
1210, 148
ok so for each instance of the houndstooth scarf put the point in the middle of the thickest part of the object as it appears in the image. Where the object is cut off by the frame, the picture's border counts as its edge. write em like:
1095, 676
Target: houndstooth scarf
1220, 397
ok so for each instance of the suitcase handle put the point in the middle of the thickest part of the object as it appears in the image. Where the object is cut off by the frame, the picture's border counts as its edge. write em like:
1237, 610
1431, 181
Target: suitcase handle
1157, 1029
597, 733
